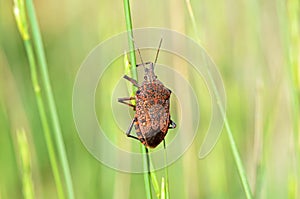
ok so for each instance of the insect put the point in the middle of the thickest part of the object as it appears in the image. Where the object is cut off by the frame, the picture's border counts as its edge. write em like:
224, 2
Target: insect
152, 118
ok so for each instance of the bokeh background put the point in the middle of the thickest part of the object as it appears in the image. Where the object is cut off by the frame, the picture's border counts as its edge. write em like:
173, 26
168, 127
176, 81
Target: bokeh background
248, 40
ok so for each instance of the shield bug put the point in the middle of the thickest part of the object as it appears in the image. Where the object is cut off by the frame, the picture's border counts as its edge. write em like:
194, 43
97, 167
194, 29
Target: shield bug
152, 114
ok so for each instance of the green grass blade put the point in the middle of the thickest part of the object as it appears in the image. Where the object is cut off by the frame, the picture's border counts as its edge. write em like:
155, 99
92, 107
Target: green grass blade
147, 176
20, 15
130, 41
166, 186
27, 183
134, 89
237, 158
44, 121
154, 180
38, 44
288, 16
163, 194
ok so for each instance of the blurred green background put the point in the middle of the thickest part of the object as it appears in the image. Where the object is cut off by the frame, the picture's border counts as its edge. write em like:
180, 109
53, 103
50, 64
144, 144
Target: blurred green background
248, 40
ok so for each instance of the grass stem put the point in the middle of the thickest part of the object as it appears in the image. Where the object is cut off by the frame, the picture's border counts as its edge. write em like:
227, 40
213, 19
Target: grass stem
41, 58
236, 156
130, 41
134, 89
44, 121
289, 13
20, 15
24, 151
166, 183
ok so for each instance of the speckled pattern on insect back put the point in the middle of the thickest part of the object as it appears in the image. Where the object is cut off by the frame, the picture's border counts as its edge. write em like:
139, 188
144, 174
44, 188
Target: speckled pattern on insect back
152, 111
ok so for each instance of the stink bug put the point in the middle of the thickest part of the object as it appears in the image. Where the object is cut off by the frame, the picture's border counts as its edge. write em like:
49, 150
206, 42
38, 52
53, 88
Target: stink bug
152, 115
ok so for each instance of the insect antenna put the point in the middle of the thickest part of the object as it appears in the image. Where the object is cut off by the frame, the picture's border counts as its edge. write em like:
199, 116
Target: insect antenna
157, 52
141, 57
139, 53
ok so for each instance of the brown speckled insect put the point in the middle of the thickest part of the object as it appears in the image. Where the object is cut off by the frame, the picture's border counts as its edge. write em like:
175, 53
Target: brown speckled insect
152, 116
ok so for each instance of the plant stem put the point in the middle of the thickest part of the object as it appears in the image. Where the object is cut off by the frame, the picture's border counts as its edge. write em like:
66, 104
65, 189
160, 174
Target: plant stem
289, 13
294, 64
237, 158
38, 44
163, 189
130, 41
20, 15
147, 179
134, 89
44, 121
24, 151
166, 186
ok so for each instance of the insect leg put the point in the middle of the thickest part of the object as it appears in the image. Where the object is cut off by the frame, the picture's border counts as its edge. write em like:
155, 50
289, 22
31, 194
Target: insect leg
133, 81
172, 125
142, 64
129, 130
124, 99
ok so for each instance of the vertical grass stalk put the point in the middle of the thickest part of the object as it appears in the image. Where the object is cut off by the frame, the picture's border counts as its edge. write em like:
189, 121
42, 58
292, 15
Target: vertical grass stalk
294, 71
21, 19
130, 42
236, 156
166, 183
163, 188
134, 89
289, 13
41, 58
27, 183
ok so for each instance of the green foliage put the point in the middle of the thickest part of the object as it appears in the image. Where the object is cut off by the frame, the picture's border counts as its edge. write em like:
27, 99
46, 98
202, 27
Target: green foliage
25, 164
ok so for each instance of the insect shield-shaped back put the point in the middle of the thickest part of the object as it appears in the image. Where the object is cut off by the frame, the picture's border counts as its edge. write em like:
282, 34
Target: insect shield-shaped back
152, 110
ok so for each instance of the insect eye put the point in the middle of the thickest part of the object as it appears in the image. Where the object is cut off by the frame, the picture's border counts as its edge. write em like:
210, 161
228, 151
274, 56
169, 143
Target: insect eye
145, 78
138, 92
